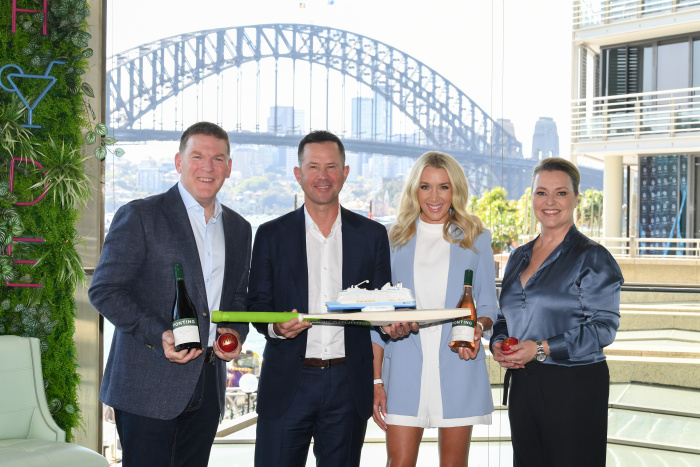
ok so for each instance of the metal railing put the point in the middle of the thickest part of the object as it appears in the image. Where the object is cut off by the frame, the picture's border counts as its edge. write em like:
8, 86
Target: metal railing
592, 13
632, 247
670, 248
636, 116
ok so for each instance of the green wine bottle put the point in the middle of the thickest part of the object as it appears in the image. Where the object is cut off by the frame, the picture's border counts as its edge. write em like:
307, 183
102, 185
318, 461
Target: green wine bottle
185, 323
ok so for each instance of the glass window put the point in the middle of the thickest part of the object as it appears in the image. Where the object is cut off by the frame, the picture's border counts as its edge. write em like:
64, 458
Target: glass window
651, 67
673, 69
696, 63
697, 198
663, 200
647, 67
624, 70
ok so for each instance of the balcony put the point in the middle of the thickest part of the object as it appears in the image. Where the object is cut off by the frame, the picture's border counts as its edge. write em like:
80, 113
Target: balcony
653, 122
604, 22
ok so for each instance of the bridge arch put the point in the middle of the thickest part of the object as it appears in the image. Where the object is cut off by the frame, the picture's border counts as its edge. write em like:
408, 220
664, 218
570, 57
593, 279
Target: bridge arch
145, 77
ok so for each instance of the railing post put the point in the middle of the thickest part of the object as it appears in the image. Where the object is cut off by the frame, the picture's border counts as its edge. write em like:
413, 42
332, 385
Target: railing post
672, 117
605, 121
632, 247
637, 117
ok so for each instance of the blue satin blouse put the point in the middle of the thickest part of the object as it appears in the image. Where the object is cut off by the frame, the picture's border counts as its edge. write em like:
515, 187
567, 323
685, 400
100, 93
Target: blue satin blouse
572, 301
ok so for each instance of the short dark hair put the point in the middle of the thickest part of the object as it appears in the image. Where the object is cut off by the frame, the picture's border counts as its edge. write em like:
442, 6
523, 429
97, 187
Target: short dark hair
559, 164
320, 136
204, 128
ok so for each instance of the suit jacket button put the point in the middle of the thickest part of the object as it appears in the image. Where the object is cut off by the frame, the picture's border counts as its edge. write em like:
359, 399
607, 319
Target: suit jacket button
204, 314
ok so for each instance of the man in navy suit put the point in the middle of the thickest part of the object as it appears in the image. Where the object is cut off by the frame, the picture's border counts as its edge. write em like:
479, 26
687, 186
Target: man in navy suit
316, 381
168, 404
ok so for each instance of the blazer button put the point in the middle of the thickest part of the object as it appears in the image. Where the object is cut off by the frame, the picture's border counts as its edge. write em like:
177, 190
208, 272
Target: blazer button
204, 314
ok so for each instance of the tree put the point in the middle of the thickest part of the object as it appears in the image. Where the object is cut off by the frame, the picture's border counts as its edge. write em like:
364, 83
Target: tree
278, 198
526, 222
590, 211
499, 215
253, 184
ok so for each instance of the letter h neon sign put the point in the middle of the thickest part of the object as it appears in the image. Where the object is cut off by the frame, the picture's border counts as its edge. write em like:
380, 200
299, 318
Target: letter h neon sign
24, 10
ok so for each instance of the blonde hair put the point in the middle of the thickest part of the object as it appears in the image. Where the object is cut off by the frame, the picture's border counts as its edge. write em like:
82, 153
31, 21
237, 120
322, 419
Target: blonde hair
461, 227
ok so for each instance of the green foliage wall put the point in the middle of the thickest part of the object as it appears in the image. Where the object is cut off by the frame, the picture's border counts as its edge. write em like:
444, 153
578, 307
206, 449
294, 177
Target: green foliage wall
47, 312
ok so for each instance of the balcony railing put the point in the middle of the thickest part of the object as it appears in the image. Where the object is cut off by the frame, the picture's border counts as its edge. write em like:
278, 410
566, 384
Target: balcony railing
670, 248
591, 13
632, 247
636, 116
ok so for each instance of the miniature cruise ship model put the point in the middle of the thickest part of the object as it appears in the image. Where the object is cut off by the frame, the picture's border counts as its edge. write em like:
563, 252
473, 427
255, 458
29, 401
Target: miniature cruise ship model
388, 297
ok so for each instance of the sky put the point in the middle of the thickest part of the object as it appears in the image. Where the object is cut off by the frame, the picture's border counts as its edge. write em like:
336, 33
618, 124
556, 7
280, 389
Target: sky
512, 57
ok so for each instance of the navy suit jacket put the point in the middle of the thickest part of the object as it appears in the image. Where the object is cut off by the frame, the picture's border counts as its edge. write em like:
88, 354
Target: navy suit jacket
279, 282
134, 288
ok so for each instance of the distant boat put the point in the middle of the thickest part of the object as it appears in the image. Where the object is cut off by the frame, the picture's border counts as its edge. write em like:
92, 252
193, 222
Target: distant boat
353, 298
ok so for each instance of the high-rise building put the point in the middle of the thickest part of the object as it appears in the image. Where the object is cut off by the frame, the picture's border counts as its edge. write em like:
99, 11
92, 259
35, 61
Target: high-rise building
636, 73
149, 176
353, 161
285, 120
369, 117
545, 140
253, 160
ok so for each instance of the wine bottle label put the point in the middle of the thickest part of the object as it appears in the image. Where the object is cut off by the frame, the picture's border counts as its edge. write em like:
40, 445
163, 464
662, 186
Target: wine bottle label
463, 330
185, 330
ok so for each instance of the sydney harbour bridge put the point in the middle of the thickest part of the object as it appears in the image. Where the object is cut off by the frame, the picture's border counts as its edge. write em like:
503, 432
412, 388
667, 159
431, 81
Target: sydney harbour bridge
270, 84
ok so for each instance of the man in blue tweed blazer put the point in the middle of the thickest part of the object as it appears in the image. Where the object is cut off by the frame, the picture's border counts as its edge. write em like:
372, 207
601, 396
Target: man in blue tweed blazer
168, 404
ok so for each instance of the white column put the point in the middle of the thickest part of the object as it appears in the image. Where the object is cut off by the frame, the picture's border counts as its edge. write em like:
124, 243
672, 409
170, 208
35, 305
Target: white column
612, 196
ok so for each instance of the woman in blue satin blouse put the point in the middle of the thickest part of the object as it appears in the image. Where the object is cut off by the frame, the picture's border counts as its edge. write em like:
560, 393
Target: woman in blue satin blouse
561, 300
420, 382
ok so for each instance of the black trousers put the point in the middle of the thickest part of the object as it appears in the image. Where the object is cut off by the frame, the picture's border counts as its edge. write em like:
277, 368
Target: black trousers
184, 441
322, 409
559, 415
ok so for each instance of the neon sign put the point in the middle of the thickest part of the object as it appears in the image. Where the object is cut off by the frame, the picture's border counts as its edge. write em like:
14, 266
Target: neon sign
22, 239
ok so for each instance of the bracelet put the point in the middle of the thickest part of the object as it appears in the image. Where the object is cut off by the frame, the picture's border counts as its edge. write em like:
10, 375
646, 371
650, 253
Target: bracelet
482, 325
379, 381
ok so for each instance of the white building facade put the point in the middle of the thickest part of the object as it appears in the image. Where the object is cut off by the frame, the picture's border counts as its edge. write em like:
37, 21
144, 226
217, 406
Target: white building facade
636, 108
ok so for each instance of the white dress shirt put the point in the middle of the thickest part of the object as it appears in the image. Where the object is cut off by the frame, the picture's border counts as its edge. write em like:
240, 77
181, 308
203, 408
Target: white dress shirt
211, 246
324, 259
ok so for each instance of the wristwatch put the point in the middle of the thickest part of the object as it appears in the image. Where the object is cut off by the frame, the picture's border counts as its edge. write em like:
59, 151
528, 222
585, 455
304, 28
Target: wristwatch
541, 356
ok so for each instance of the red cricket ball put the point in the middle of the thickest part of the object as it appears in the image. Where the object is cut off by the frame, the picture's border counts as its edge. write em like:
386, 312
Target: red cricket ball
507, 343
227, 342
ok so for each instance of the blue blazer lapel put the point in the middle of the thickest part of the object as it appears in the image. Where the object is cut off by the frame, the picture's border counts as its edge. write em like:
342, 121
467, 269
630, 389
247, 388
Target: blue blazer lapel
295, 258
404, 263
180, 222
455, 283
351, 247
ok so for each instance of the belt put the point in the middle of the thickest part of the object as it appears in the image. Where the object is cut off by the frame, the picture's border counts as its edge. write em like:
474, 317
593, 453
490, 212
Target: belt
320, 363
210, 356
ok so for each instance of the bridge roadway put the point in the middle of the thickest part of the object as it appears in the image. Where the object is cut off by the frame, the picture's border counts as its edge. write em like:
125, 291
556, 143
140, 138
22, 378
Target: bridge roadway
388, 148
